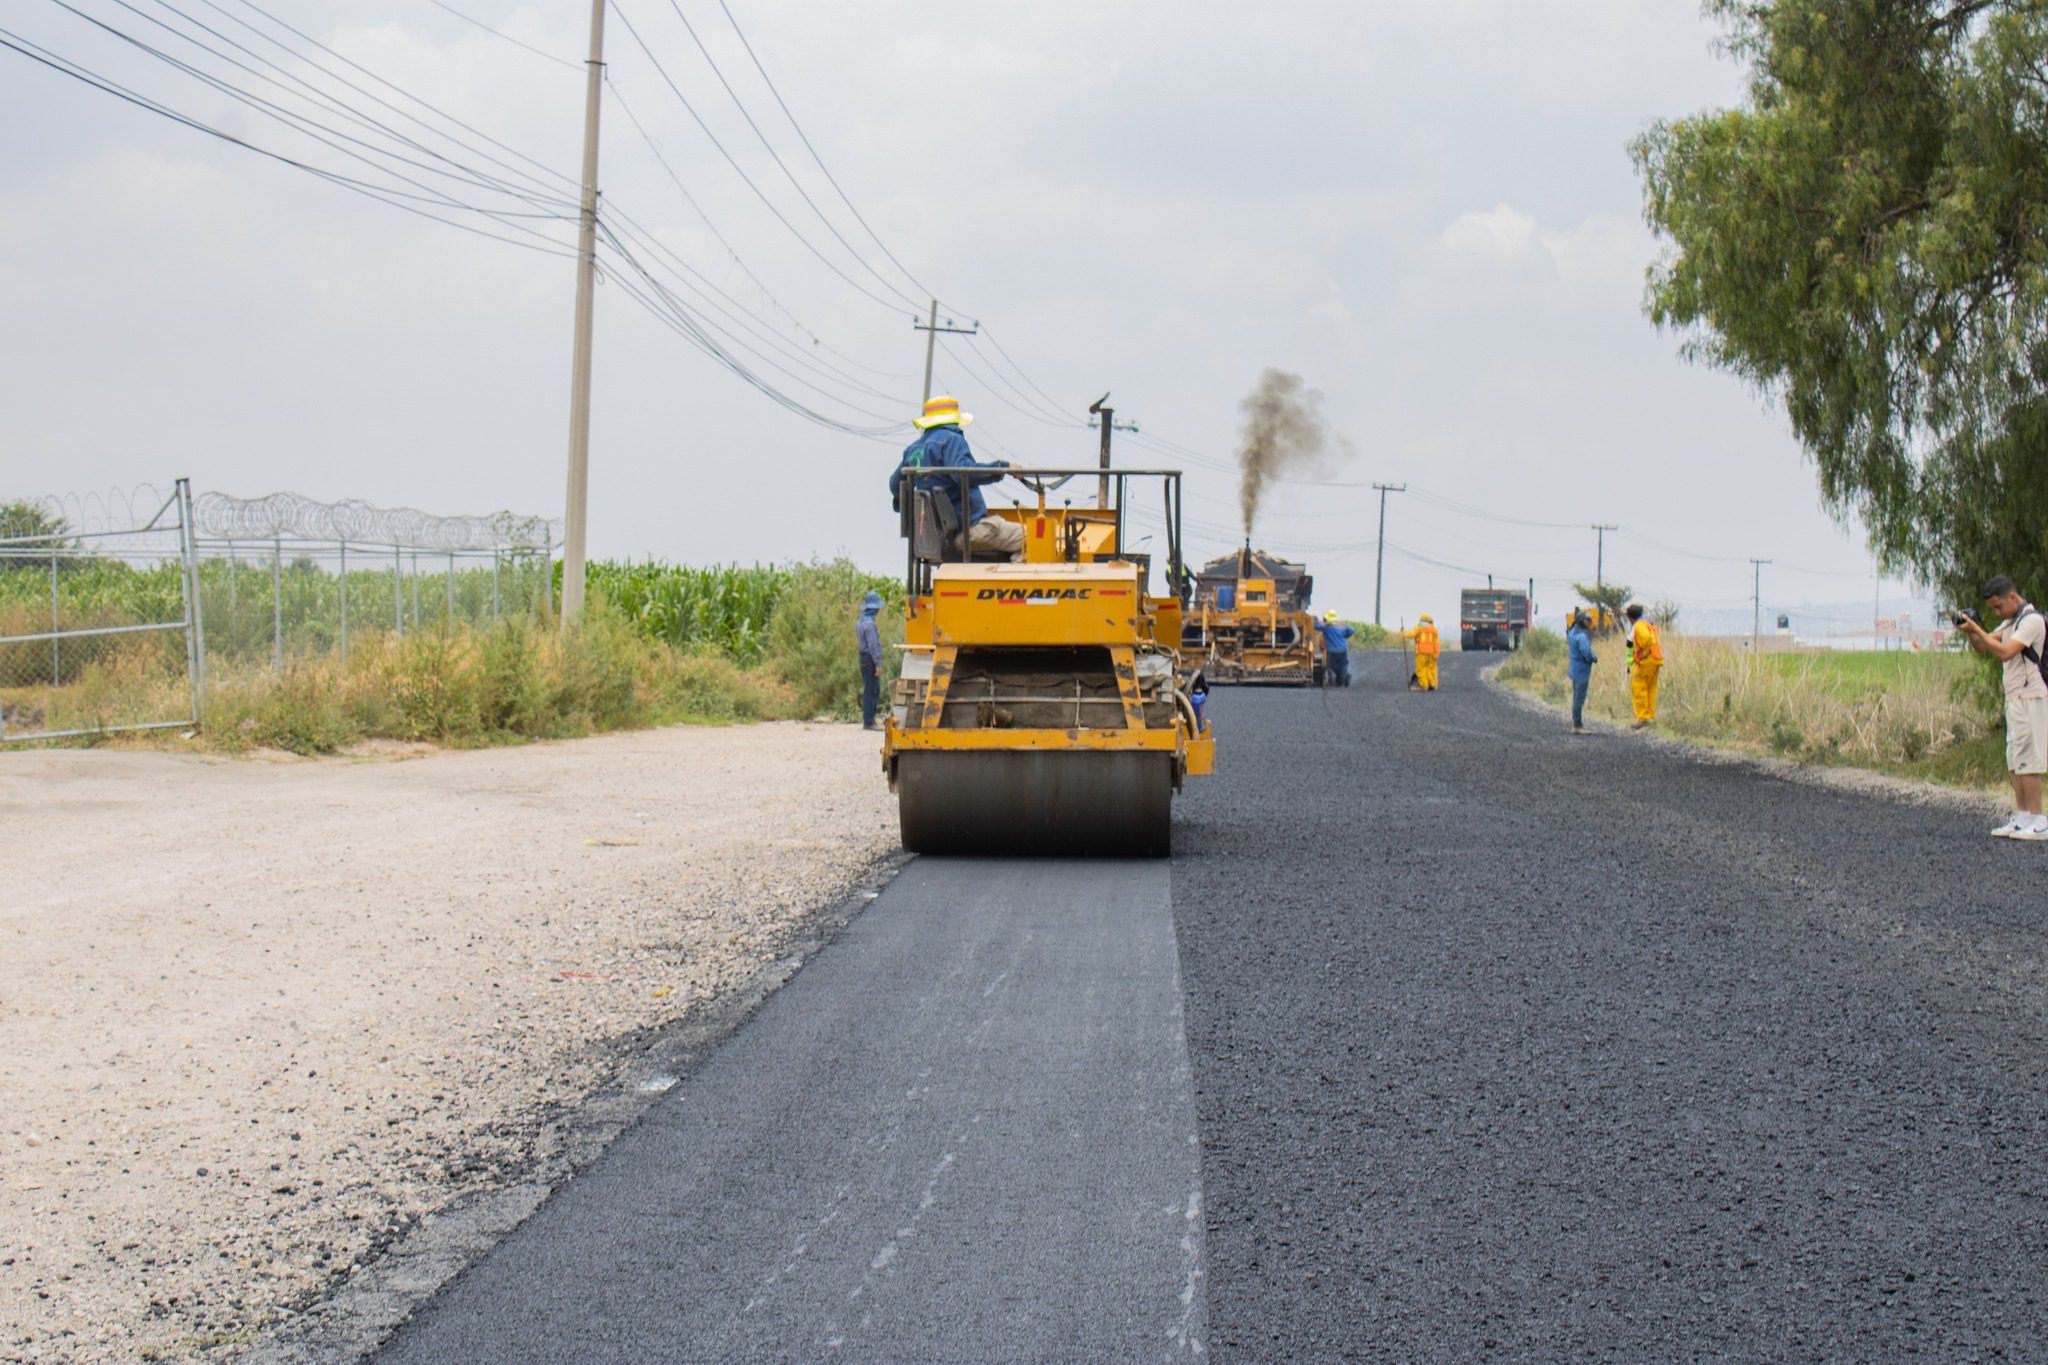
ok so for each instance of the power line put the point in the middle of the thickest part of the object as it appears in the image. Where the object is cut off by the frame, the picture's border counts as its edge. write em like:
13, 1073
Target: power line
803, 137
497, 33
776, 157
326, 134
383, 194
661, 159
810, 246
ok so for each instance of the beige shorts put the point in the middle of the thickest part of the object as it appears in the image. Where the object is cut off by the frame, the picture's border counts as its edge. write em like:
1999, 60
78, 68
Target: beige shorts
2026, 735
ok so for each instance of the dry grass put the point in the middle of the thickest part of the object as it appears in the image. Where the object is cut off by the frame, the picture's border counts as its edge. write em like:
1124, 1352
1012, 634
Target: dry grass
1921, 715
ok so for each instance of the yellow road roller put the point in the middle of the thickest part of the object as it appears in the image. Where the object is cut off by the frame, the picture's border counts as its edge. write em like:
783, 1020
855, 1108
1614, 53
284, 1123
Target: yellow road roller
1043, 707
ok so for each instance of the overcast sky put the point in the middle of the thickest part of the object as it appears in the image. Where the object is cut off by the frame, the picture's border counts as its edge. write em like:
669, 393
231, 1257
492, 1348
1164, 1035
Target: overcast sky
1425, 208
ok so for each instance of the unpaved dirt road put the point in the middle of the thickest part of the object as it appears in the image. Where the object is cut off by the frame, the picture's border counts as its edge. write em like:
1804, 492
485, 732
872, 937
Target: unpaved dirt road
258, 1018
1442, 1036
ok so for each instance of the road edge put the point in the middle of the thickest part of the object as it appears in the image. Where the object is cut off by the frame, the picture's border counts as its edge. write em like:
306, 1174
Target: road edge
348, 1323
1853, 781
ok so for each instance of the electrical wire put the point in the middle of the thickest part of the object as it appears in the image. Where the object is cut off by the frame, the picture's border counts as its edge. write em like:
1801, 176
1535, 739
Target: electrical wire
496, 33
37, 53
661, 159
803, 137
892, 305
776, 156
326, 133
662, 303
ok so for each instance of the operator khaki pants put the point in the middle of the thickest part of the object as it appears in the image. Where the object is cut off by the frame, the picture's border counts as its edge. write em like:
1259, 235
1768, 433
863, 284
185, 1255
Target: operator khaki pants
994, 535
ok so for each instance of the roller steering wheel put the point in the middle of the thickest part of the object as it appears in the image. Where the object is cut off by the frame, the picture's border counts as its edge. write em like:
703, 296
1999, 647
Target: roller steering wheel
1040, 486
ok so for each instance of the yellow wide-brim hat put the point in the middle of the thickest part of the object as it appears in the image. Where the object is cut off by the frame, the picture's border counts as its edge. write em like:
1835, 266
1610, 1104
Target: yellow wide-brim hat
939, 411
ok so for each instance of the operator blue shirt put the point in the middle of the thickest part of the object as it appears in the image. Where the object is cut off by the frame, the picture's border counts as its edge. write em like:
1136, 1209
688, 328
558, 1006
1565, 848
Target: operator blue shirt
945, 447
869, 637
1334, 637
1580, 643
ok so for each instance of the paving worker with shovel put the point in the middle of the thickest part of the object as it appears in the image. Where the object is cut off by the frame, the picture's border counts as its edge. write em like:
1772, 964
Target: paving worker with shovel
1336, 649
1646, 662
1427, 647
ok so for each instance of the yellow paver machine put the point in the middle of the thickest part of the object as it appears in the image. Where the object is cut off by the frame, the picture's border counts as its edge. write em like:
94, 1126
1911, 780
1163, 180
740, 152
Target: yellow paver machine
1043, 706
1250, 623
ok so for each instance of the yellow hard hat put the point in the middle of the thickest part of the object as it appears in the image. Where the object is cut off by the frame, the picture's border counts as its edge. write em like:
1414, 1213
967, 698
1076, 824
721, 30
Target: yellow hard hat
1427, 617
941, 410
1329, 616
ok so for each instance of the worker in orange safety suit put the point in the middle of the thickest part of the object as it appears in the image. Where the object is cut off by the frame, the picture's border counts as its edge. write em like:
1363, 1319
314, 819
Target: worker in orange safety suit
1645, 662
1427, 647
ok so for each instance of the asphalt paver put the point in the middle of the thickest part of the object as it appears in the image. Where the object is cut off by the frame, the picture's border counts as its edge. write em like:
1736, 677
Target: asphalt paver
1511, 1044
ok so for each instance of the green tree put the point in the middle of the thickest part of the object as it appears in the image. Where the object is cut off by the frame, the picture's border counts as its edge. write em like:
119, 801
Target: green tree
23, 519
1866, 240
1613, 596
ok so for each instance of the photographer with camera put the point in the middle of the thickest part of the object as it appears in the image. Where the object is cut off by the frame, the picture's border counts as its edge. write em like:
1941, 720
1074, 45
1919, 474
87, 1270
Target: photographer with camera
2017, 643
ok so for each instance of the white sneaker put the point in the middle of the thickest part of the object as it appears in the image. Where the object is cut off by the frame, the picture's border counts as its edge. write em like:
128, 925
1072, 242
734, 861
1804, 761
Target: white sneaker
2011, 828
2034, 832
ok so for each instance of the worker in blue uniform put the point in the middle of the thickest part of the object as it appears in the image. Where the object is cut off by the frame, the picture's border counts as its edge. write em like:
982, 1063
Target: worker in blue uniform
1579, 666
869, 638
1336, 650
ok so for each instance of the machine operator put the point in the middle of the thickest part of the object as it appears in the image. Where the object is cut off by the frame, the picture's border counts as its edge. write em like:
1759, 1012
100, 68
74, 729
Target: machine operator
943, 445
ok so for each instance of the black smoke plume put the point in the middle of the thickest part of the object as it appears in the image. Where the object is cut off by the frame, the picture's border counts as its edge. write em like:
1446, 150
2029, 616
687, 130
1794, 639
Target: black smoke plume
1283, 434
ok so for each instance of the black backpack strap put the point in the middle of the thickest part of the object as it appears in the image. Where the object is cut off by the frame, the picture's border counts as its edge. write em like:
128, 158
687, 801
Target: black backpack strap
2032, 657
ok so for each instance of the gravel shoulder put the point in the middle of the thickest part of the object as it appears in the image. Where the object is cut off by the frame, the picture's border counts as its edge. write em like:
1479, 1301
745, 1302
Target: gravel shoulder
262, 1018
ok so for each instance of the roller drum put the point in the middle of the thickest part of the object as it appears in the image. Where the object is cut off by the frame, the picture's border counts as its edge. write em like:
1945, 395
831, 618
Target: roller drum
1063, 803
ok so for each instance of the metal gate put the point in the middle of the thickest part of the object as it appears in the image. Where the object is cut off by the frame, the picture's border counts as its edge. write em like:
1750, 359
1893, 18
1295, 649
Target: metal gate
100, 630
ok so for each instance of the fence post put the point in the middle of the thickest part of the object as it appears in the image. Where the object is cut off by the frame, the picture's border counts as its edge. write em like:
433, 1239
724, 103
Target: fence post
344, 604
496, 558
195, 627
56, 671
231, 583
397, 591
277, 603
451, 590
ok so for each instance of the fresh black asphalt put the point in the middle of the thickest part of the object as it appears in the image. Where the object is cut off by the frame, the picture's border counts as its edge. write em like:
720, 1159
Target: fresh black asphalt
1497, 1044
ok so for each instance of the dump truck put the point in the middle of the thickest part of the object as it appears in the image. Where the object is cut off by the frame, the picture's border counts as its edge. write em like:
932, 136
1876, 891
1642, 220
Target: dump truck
1492, 618
1250, 622
1043, 707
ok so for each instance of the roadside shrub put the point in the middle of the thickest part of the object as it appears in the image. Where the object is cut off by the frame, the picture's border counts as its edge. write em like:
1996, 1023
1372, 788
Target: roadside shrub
811, 643
435, 687
512, 693
599, 662
305, 714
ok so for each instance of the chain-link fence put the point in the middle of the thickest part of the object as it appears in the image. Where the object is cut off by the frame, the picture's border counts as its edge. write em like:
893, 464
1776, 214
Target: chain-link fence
97, 631
285, 575
109, 615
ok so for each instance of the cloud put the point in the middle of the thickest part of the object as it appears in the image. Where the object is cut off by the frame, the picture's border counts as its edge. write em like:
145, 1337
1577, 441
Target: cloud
1606, 251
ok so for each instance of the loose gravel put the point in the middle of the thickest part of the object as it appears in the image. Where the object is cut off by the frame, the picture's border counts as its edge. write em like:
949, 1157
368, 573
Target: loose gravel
261, 1018
1514, 1045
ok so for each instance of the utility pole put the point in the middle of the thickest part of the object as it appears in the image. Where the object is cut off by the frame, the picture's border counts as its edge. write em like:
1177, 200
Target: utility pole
1756, 603
931, 332
575, 505
1600, 555
1380, 569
